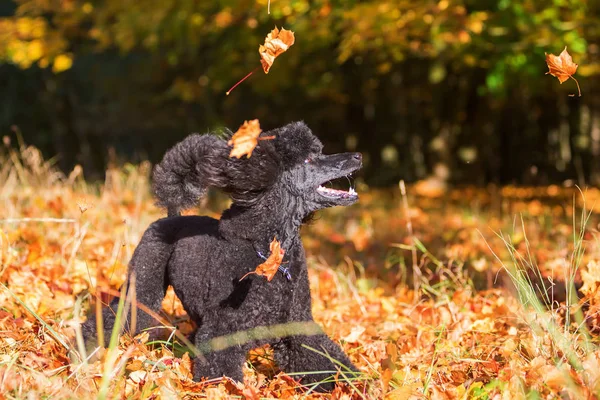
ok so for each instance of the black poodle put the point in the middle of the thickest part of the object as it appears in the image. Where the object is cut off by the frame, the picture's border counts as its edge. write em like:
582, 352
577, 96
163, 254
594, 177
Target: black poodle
273, 192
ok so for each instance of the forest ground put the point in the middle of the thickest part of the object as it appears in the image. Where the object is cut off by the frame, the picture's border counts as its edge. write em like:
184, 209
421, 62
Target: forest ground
467, 293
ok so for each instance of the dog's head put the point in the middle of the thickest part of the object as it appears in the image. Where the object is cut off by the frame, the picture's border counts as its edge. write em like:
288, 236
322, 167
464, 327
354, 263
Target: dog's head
292, 168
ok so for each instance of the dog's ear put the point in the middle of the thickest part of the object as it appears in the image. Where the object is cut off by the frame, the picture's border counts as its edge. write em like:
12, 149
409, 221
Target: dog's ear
295, 143
249, 178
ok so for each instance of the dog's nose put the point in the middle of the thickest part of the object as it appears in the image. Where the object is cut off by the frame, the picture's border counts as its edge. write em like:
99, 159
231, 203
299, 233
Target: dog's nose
357, 156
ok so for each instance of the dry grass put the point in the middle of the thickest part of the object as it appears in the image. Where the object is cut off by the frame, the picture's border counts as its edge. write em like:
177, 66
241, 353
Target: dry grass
62, 239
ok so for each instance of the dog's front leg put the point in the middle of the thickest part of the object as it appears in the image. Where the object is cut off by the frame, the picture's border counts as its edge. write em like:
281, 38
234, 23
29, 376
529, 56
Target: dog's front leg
226, 362
218, 363
318, 356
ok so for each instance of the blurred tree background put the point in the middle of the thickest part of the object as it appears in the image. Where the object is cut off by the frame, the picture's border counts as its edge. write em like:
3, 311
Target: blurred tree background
451, 89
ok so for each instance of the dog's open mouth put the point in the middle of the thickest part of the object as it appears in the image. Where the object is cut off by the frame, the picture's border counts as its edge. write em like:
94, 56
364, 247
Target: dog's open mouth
333, 170
337, 194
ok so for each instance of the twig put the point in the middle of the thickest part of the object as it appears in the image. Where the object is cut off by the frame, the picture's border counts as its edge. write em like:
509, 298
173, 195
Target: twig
82, 232
56, 220
578, 88
415, 265
240, 81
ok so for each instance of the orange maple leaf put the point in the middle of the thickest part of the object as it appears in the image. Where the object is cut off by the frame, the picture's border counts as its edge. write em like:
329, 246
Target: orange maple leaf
269, 268
277, 42
562, 67
245, 139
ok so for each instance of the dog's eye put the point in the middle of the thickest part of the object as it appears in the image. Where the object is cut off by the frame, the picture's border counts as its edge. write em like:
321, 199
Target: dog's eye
307, 161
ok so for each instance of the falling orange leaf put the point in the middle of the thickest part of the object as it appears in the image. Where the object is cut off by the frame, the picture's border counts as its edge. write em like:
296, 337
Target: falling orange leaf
277, 42
269, 268
562, 67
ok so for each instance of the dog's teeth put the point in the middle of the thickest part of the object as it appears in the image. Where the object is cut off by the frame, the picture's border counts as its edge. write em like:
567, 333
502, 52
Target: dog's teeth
337, 192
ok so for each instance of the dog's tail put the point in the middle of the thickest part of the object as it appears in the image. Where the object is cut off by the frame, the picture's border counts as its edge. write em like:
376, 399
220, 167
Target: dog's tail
187, 170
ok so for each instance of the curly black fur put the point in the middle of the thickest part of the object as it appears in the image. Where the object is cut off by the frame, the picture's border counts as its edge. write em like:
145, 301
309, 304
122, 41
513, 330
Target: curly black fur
273, 191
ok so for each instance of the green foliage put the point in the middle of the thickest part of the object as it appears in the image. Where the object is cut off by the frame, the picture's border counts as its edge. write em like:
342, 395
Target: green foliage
163, 65
465, 33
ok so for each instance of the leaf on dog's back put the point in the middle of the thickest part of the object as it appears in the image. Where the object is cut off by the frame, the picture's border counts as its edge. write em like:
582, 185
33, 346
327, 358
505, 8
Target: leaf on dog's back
269, 268
277, 42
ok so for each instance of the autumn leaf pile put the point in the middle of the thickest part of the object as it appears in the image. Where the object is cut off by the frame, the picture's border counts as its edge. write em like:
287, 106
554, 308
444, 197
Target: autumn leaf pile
463, 335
